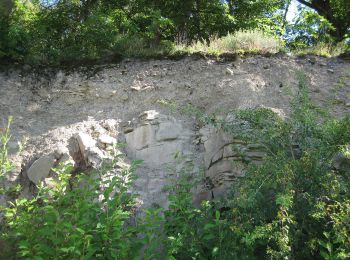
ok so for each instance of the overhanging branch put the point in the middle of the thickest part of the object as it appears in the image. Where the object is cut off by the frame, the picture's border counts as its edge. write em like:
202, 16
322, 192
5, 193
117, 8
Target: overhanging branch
308, 4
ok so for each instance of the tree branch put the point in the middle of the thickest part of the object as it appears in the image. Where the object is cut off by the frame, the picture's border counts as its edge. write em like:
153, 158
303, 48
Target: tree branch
306, 3
322, 7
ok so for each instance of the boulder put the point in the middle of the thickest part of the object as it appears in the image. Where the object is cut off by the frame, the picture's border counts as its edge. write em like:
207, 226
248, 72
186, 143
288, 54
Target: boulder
85, 141
91, 154
107, 140
156, 138
62, 155
41, 168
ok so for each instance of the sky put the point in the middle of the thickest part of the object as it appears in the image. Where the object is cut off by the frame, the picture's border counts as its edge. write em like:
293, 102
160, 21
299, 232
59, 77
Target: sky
293, 10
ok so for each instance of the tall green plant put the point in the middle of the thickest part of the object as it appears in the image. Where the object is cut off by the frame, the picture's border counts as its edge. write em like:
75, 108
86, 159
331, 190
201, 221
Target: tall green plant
5, 164
292, 205
278, 199
80, 217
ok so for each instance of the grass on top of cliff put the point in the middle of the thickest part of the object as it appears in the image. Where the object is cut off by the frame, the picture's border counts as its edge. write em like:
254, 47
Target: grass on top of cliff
323, 49
242, 42
239, 43
133, 46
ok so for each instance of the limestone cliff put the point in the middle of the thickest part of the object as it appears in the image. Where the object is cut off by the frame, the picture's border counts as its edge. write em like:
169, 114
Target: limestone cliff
75, 115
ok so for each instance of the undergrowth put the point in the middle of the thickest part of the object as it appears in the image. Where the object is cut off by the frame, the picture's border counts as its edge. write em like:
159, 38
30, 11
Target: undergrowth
295, 204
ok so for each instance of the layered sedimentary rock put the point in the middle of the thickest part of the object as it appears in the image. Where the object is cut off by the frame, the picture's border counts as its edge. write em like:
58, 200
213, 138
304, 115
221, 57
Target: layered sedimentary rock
156, 139
76, 115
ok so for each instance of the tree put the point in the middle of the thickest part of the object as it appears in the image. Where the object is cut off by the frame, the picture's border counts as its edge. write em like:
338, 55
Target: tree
6, 7
337, 12
251, 14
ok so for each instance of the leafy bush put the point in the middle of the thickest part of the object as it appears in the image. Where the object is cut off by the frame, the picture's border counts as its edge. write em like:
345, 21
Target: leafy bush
79, 217
196, 233
293, 205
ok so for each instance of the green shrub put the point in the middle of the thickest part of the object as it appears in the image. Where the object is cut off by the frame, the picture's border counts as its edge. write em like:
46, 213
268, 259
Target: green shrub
194, 233
279, 200
293, 205
80, 217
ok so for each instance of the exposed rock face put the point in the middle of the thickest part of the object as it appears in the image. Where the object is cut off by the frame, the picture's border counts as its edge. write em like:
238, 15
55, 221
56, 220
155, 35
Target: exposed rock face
153, 137
223, 160
76, 116
156, 139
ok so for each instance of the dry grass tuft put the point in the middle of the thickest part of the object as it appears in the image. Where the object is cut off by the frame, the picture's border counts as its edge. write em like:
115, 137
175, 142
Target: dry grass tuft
240, 42
323, 49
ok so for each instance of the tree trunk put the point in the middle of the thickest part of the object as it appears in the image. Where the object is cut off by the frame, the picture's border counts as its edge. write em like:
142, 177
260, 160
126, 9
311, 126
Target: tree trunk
6, 7
198, 20
324, 8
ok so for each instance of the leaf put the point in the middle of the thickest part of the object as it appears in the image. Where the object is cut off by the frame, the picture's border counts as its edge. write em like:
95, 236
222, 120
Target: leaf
215, 251
209, 226
324, 254
137, 162
217, 215
209, 237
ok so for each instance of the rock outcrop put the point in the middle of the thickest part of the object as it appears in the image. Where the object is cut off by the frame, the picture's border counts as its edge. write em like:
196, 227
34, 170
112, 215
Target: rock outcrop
156, 139
76, 116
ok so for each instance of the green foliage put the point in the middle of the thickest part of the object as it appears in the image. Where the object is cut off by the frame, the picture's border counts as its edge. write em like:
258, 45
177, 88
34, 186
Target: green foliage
5, 164
80, 217
310, 29
336, 12
194, 233
281, 195
295, 204
292, 205
78, 31
264, 15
